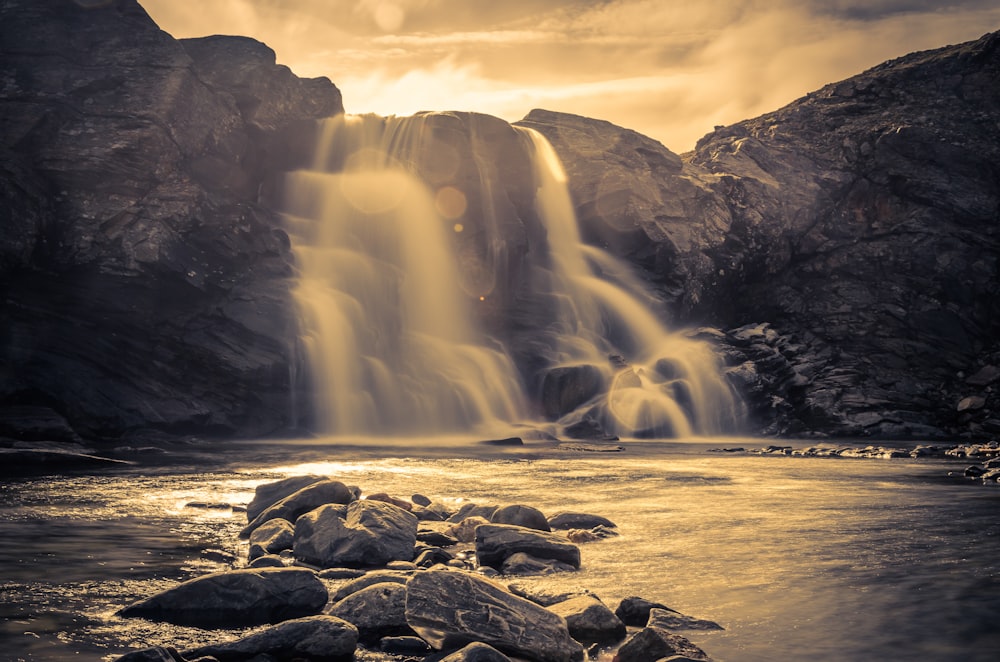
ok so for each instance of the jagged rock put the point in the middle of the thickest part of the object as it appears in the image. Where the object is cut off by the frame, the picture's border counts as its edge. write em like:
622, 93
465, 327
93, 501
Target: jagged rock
634, 610
145, 285
372, 533
318, 638
655, 644
237, 598
451, 608
520, 515
266, 495
496, 542
308, 498
589, 620
376, 611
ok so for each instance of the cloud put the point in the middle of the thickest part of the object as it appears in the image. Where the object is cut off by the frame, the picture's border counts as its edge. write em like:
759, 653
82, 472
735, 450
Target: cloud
670, 69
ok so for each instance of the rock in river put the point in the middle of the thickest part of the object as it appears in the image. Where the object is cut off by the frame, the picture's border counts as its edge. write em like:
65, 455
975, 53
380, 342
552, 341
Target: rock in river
452, 608
239, 598
325, 638
298, 503
373, 533
590, 621
377, 611
496, 542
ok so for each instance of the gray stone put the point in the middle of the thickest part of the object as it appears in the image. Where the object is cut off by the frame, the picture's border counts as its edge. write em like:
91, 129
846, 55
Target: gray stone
373, 533
369, 579
590, 621
653, 644
496, 542
319, 638
668, 619
267, 561
376, 611
452, 608
308, 498
271, 537
465, 530
473, 510
237, 598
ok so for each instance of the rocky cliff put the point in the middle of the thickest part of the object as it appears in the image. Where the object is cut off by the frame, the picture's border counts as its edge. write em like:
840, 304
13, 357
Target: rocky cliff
860, 223
841, 251
143, 286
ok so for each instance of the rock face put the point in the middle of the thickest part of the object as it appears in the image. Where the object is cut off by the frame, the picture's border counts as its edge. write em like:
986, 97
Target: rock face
860, 222
239, 598
143, 285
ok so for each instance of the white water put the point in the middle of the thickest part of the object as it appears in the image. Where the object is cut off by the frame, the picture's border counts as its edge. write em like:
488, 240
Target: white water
388, 304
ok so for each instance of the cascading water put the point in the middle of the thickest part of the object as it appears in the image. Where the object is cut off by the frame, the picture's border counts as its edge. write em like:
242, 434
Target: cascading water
392, 288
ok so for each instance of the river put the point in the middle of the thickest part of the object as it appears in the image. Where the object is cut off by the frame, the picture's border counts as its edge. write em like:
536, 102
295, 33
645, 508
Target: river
796, 557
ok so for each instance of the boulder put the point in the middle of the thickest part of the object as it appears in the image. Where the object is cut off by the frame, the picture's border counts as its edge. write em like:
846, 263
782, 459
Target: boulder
496, 542
634, 610
451, 608
477, 652
473, 510
238, 598
382, 496
520, 515
526, 564
267, 561
266, 495
271, 537
370, 579
567, 520
589, 620
668, 619
372, 533
308, 498
655, 644
319, 638
376, 611
465, 530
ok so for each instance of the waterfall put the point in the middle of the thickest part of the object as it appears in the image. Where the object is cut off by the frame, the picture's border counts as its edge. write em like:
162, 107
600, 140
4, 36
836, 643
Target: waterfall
422, 312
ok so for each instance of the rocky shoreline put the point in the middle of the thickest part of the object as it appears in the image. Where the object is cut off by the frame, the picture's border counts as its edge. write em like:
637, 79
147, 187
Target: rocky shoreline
333, 573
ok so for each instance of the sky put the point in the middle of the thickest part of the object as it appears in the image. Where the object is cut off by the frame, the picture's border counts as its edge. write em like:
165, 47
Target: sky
671, 69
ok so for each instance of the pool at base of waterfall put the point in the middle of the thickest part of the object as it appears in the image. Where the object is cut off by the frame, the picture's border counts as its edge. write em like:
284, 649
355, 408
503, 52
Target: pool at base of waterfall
796, 557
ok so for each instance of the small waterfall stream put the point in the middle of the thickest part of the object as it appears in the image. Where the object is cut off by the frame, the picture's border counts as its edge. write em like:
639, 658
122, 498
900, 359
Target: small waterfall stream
392, 311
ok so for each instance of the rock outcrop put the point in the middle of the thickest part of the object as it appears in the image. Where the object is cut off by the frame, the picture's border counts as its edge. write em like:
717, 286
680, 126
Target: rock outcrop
143, 285
860, 222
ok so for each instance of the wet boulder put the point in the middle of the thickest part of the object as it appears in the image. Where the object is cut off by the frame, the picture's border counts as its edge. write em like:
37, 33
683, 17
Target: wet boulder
238, 598
370, 579
302, 501
590, 621
668, 619
520, 515
319, 638
371, 533
452, 608
477, 652
268, 494
496, 542
566, 520
634, 610
271, 537
376, 611
653, 642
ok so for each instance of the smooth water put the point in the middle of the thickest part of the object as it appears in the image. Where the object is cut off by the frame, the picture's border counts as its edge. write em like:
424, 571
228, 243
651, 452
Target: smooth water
798, 558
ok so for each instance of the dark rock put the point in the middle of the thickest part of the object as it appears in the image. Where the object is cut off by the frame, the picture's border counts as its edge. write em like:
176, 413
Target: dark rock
451, 608
668, 619
520, 563
436, 538
507, 441
268, 494
409, 646
590, 621
385, 498
372, 534
145, 286
974, 471
271, 537
35, 424
376, 611
420, 500
635, 611
477, 652
370, 579
318, 638
655, 644
340, 573
984, 376
154, 654
267, 561
473, 510
496, 542
590, 535
566, 388
578, 521
431, 557
238, 598
308, 498
520, 515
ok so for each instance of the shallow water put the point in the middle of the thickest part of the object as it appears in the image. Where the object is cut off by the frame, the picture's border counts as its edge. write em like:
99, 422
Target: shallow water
798, 558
